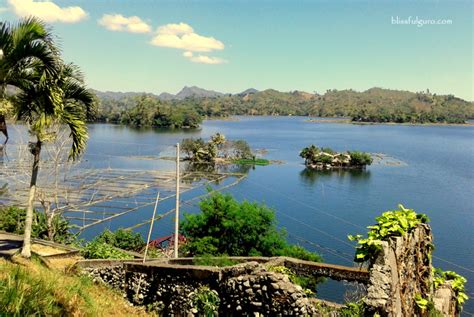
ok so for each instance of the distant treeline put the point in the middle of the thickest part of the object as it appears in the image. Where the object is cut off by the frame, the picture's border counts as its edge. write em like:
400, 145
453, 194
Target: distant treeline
147, 111
373, 105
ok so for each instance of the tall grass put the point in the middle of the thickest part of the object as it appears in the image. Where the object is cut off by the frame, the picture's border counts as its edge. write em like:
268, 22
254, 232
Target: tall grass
35, 290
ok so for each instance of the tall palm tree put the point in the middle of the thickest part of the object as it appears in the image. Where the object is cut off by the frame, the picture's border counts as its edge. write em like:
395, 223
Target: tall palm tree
47, 100
23, 47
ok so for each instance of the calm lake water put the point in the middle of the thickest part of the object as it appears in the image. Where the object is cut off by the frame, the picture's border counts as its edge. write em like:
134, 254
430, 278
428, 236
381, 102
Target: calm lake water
319, 209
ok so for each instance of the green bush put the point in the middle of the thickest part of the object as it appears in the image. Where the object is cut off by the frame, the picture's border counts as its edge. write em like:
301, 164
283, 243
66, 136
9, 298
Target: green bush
209, 260
101, 250
228, 227
360, 158
457, 283
122, 239
206, 301
12, 219
389, 224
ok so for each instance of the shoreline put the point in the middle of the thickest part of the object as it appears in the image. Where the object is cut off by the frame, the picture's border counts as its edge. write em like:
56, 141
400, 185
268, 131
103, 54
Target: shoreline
348, 121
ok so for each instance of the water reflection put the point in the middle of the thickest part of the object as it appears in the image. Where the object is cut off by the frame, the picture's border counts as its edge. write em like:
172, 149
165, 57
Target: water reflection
208, 171
311, 176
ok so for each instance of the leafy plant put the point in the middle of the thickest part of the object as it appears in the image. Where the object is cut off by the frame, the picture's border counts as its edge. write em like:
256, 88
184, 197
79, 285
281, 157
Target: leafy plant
101, 250
122, 239
360, 158
308, 283
356, 309
206, 301
228, 227
209, 260
12, 219
389, 224
421, 302
457, 283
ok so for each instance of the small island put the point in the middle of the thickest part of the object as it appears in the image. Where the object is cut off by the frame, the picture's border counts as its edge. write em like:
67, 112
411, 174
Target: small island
326, 158
220, 150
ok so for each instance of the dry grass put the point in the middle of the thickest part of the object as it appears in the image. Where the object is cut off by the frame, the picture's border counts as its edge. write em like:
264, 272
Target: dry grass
29, 288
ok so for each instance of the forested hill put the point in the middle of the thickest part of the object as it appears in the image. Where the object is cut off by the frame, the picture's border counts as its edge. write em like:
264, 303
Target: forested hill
373, 105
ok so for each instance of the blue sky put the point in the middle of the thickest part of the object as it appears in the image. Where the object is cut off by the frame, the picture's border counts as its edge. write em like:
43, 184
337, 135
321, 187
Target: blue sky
286, 45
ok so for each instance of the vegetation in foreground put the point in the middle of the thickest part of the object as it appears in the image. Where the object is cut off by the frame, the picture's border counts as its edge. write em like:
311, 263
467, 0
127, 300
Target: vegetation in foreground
397, 223
226, 227
50, 95
12, 219
29, 289
326, 158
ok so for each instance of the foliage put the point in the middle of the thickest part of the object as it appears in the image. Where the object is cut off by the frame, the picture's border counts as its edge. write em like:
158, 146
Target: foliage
308, 283
389, 224
457, 283
360, 158
260, 162
146, 111
375, 104
327, 156
356, 309
122, 239
31, 289
22, 294
12, 219
242, 149
208, 260
101, 250
227, 227
200, 151
206, 301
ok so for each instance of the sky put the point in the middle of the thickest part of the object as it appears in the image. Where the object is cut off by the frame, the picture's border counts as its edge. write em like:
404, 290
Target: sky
229, 46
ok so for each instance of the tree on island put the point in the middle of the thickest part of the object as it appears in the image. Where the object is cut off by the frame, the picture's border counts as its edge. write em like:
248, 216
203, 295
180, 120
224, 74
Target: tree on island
218, 147
327, 158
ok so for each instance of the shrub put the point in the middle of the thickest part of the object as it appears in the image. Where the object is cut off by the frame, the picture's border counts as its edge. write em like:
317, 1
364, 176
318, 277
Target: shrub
206, 301
227, 227
122, 239
389, 224
12, 219
360, 158
457, 283
242, 149
101, 250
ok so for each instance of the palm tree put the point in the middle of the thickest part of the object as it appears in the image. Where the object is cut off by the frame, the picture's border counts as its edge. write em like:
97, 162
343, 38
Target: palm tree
47, 100
23, 47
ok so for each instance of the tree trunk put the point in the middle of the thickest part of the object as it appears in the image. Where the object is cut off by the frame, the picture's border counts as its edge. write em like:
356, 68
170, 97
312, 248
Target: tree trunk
35, 149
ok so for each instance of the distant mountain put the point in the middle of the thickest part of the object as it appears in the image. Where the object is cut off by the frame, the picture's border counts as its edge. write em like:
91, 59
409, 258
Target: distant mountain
117, 95
196, 92
166, 96
249, 91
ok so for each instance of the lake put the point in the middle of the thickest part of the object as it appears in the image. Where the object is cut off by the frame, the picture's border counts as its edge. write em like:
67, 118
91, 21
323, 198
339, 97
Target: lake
319, 209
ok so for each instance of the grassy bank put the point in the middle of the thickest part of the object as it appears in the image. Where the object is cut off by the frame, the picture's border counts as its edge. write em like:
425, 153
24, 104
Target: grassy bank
28, 288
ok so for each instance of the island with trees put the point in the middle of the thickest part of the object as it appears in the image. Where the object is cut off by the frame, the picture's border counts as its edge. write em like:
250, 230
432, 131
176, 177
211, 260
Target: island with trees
325, 158
219, 150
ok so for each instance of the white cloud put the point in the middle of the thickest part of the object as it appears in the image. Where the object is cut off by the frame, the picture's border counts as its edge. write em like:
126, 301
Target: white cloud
203, 59
48, 11
117, 22
182, 36
175, 29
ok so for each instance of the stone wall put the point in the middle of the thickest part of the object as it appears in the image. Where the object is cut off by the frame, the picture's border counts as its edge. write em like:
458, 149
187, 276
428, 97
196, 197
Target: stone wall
401, 270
